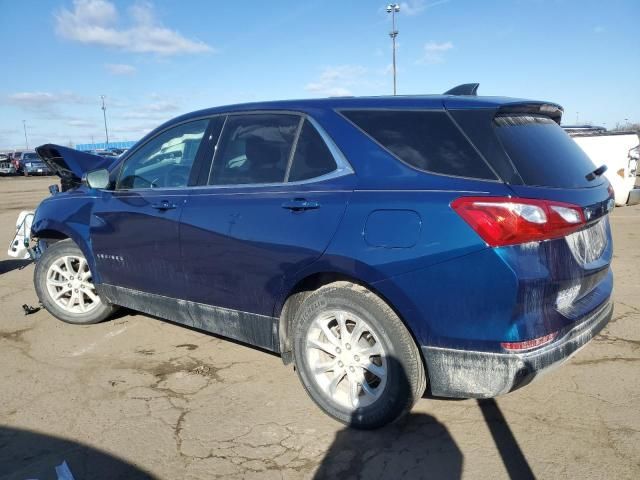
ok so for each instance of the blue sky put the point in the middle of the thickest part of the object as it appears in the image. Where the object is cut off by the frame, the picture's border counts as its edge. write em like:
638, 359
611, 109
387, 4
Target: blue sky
157, 59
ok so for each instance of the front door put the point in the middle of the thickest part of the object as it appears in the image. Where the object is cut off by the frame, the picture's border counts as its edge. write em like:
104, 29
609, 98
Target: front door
135, 227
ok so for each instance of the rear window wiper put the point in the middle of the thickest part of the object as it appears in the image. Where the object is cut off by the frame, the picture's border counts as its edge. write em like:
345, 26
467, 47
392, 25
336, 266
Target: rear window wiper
596, 173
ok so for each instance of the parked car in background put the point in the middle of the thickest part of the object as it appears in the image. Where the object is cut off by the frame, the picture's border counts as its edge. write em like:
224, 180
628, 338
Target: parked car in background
32, 164
118, 151
618, 151
380, 244
7, 168
106, 153
16, 160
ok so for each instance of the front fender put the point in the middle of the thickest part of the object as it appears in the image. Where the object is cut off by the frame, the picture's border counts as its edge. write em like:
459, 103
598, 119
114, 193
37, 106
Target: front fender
69, 216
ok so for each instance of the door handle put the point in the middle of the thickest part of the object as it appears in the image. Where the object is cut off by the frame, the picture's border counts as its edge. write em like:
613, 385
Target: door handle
300, 204
164, 205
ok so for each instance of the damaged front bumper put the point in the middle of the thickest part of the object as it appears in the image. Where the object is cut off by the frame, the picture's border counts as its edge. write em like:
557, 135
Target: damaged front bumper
475, 374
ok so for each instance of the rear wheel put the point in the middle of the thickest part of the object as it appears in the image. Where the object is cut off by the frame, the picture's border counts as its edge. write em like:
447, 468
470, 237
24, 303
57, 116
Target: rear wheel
64, 285
355, 357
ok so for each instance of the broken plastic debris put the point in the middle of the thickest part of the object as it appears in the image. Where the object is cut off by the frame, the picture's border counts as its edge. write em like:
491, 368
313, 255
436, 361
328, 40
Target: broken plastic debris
63, 472
28, 309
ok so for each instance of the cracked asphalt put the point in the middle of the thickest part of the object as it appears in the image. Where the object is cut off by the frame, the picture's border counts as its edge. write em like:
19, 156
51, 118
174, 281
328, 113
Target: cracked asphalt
136, 397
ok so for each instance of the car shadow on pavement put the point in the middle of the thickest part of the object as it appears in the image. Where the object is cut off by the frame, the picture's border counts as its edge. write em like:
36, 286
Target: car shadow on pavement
416, 446
26, 454
10, 265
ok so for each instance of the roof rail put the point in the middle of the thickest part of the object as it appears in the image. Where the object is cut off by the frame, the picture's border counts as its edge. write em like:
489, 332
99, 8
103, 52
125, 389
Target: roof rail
464, 89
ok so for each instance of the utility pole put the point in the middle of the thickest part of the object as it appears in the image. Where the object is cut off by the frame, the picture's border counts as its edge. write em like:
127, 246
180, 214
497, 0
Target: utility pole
104, 114
393, 8
26, 140
577, 116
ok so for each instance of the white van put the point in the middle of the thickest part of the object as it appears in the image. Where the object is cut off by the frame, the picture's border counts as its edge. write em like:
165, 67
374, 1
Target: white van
619, 151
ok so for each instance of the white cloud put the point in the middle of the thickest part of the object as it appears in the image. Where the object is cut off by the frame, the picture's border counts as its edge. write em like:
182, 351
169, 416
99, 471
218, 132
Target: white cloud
120, 69
157, 111
337, 81
599, 29
434, 52
81, 123
38, 100
97, 22
416, 7
411, 8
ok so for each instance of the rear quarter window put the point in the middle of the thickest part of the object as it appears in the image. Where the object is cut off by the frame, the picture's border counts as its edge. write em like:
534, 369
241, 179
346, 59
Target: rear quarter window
426, 140
543, 153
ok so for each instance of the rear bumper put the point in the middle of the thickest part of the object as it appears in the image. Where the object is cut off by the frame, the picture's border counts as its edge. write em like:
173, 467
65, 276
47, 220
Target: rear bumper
475, 374
634, 197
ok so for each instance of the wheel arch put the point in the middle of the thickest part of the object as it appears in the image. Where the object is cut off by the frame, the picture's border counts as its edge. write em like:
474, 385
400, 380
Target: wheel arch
48, 229
310, 283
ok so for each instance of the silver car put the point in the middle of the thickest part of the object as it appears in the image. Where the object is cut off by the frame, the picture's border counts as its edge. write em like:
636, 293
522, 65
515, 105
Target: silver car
6, 168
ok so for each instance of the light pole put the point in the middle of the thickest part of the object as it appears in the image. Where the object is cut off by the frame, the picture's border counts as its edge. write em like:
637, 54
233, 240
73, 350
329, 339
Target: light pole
26, 140
393, 8
104, 114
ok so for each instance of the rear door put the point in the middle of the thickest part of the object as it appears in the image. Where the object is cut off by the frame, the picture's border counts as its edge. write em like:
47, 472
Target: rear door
134, 228
269, 205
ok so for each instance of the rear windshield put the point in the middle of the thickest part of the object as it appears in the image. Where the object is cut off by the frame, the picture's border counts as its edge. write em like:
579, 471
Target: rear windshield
543, 153
427, 140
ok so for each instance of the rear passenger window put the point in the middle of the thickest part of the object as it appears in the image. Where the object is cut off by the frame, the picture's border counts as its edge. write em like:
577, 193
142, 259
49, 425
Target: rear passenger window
254, 149
425, 140
312, 158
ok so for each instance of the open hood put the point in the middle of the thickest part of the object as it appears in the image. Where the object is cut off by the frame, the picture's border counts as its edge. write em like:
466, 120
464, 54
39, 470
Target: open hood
70, 164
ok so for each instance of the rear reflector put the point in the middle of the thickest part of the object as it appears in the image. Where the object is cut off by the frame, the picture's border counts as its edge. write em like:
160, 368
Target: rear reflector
528, 344
504, 221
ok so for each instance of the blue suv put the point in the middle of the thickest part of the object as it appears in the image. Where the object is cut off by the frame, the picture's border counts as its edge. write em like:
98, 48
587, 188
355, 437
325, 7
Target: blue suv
383, 245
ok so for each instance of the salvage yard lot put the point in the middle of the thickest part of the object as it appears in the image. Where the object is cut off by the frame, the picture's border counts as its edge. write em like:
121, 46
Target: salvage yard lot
137, 397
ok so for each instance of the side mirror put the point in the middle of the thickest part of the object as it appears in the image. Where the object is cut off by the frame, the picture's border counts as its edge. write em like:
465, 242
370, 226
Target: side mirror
96, 178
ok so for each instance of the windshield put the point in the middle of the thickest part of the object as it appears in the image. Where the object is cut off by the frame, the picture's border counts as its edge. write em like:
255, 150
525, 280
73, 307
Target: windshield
543, 153
31, 156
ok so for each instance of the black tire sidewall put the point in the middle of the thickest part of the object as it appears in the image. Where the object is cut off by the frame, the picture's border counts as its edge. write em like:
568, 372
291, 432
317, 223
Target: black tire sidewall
397, 396
52, 253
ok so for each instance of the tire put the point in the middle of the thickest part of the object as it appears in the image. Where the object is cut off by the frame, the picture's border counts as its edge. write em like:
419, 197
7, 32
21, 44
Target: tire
394, 376
56, 275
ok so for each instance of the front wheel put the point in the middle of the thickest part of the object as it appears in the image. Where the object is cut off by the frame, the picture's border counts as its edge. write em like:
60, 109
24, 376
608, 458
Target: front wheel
355, 357
64, 285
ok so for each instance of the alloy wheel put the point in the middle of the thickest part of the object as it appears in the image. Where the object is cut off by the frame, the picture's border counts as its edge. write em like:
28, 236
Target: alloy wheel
70, 285
346, 359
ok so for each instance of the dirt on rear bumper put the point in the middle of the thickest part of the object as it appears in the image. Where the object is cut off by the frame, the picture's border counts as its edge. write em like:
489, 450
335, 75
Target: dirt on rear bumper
475, 374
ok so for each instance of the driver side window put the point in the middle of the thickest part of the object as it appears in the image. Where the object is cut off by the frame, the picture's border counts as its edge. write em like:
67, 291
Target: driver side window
166, 160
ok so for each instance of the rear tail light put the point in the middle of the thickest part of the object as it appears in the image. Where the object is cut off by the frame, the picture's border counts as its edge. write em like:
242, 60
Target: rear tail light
504, 221
528, 344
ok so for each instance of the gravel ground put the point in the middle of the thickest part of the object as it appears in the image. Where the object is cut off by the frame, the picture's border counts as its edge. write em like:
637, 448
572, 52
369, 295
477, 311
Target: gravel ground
137, 397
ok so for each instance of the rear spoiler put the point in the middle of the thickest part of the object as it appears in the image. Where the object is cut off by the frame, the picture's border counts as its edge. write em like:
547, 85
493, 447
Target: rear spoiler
70, 164
550, 110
